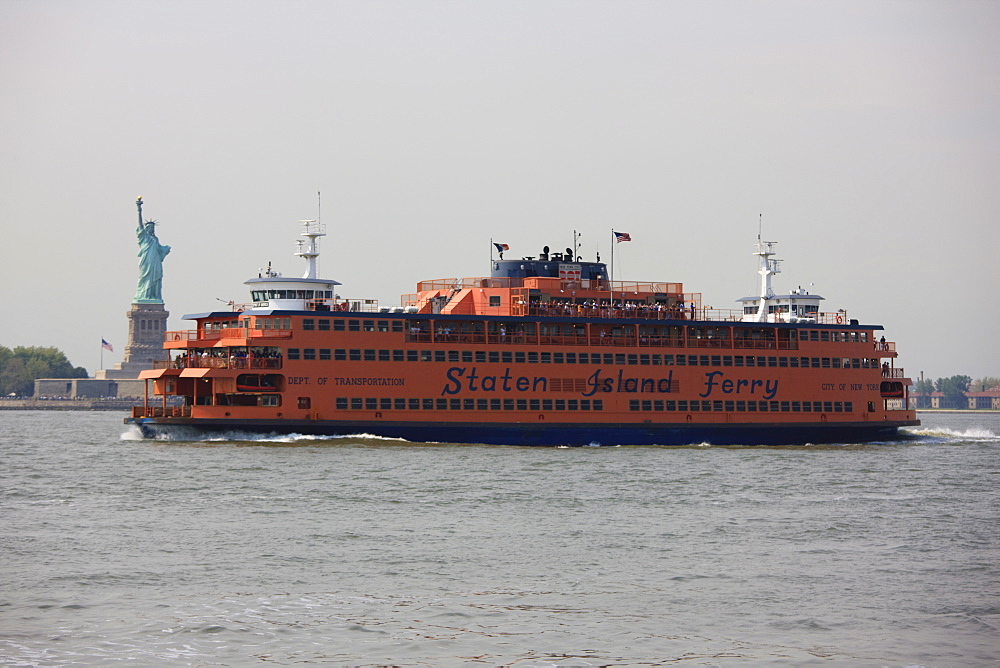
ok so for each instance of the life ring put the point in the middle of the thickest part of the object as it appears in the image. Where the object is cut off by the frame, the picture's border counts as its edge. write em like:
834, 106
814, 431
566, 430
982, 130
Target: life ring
840, 320
177, 337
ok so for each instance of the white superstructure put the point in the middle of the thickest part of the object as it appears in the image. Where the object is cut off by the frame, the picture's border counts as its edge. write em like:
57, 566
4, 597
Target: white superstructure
273, 291
797, 306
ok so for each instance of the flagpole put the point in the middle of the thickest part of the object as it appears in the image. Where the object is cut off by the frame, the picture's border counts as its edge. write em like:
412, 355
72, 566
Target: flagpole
102, 354
611, 286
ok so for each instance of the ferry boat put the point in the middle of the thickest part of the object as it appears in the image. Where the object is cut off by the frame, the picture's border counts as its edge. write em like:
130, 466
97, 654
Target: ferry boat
546, 350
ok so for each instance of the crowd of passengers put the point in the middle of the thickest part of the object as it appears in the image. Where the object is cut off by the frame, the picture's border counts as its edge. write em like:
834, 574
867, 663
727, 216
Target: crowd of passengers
218, 358
621, 309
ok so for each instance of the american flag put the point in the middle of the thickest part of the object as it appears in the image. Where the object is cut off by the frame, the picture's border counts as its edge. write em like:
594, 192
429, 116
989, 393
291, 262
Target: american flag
621, 236
106, 345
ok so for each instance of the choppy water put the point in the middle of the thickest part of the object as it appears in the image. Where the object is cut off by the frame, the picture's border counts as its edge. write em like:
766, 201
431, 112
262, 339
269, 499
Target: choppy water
361, 551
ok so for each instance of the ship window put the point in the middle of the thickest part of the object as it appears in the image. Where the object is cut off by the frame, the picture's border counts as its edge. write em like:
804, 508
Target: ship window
620, 358
324, 324
353, 326
426, 356
494, 404
793, 362
519, 357
507, 357
546, 358
508, 404
397, 325
383, 325
397, 355
480, 356
546, 404
826, 362
494, 300
308, 324
494, 356
466, 355
324, 354
338, 325
384, 355
716, 360
598, 404
848, 406
369, 355
341, 403
385, 403
455, 404
369, 325
633, 405
309, 354
293, 353
557, 358
560, 404
772, 361
572, 405
644, 360
442, 404
534, 404
412, 356
400, 404
452, 355
609, 358
428, 404
414, 404
355, 354
633, 359
481, 404
532, 358
439, 356
469, 404
522, 404
584, 405
371, 403
783, 361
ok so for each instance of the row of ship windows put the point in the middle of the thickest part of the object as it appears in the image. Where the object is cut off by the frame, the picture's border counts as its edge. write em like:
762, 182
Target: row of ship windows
324, 324
694, 406
373, 403
743, 406
518, 357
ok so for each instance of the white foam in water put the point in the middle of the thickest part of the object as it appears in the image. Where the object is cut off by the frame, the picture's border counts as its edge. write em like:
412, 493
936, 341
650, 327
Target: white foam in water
972, 434
192, 434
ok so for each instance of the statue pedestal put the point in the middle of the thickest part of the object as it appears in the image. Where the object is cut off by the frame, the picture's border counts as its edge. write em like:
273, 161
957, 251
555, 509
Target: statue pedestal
147, 324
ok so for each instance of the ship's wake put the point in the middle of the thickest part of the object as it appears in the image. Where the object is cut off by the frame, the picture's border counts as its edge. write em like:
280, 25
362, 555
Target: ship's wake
192, 435
948, 435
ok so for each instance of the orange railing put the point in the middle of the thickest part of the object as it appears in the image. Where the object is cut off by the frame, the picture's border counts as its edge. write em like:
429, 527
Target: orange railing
161, 411
228, 333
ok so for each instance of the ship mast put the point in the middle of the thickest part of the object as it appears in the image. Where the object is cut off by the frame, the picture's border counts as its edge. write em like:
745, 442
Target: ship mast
312, 230
767, 268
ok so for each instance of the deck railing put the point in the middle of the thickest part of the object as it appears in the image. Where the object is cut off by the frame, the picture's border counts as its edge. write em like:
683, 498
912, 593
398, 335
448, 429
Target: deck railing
161, 411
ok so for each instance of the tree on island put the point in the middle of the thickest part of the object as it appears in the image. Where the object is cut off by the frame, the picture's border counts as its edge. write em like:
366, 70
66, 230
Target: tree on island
985, 383
20, 367
953, 388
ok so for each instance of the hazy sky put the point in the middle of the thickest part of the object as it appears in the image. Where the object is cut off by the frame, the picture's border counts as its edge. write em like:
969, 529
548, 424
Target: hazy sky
866, 133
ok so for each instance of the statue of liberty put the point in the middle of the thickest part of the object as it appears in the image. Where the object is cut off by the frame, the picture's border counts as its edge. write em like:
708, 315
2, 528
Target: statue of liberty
151, 254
